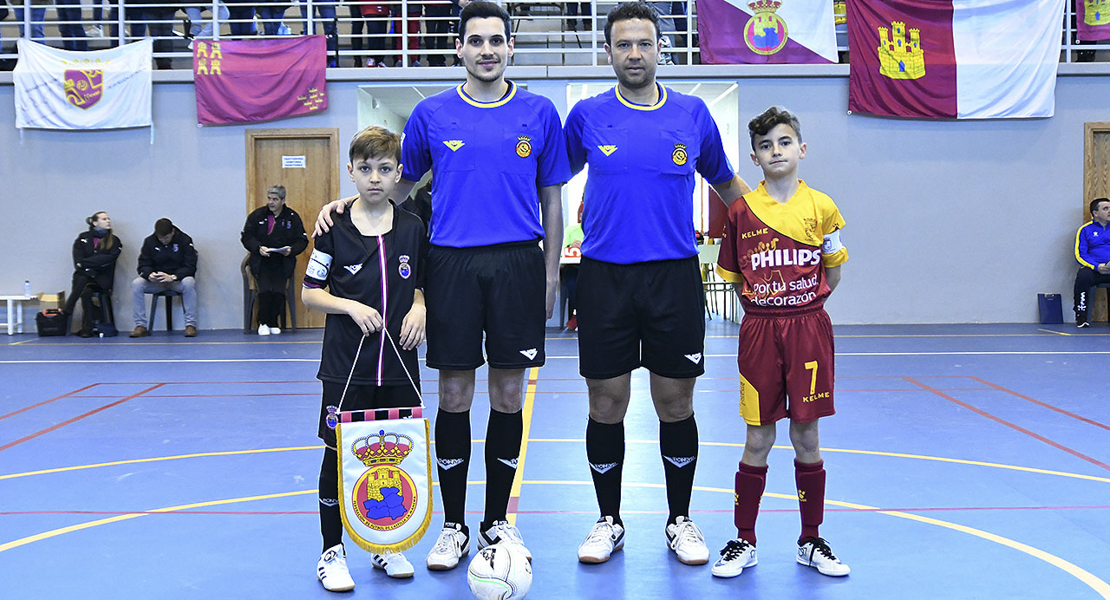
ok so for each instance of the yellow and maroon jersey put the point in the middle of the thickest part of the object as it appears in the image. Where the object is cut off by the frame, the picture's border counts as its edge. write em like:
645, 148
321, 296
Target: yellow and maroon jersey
778, 252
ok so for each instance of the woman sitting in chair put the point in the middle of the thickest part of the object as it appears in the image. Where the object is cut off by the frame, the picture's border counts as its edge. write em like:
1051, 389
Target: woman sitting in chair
274, 236
94, 261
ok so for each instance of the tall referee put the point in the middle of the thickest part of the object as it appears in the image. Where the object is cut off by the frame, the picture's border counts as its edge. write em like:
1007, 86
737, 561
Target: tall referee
640, 296
498, 161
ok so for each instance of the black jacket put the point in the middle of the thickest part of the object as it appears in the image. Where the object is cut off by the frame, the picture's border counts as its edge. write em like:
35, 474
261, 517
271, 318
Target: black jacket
288, 231
91, 260
175, 258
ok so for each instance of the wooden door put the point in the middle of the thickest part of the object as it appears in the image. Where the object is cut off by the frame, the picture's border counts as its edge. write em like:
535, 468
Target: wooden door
306, 162
1096, 184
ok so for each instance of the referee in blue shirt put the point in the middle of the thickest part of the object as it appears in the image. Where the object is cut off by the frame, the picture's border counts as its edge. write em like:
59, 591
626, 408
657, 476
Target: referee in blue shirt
640, 296
498, 161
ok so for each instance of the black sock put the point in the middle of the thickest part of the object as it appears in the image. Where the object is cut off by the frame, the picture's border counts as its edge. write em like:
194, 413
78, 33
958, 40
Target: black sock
503, 437
452, 433
678, 443
331, 522
605, 452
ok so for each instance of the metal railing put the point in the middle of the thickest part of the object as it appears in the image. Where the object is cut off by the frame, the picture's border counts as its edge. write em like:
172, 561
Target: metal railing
369, 33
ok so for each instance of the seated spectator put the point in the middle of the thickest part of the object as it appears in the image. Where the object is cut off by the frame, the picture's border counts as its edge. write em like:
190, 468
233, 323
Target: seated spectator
1092, 250
167, 261
94, 268
274, 236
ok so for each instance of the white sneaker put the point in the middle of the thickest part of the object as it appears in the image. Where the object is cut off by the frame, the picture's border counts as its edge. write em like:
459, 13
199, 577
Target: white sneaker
451, 545
604, 539
735, 557
332, 570
687, 541
275, 331
502, 533
94, 31
394, 564
815, 552
263, 330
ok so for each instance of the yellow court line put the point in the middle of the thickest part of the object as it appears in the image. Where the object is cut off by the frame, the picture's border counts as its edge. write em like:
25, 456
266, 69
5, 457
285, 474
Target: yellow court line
875, 453
156, 459
118, 518
1098, 585
529, 402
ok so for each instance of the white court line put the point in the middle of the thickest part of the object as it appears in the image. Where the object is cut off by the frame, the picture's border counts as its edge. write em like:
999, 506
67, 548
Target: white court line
571, 357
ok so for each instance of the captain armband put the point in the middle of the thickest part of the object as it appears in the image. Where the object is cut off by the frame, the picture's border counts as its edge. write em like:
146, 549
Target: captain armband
319, 265
832, 244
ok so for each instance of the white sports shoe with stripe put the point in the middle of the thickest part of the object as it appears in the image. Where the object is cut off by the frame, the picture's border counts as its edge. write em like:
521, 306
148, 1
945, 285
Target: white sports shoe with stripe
332, 570
687, 541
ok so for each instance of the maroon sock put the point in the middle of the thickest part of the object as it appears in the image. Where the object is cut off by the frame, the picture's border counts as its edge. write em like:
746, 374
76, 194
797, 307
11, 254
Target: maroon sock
810, 478
750, 482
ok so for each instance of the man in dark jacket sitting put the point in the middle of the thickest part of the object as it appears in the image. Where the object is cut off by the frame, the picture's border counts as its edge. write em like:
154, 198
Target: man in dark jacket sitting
274, 236
167, 261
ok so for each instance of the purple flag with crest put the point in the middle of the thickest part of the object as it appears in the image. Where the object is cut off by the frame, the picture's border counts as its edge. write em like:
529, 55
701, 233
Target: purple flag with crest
246, 81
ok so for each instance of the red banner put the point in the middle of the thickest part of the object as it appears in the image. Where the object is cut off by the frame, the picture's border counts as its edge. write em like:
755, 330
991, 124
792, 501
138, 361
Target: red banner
258, 80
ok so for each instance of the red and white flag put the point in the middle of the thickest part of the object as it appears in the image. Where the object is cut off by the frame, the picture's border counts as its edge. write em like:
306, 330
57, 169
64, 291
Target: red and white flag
766, 31
246, 81
955, 59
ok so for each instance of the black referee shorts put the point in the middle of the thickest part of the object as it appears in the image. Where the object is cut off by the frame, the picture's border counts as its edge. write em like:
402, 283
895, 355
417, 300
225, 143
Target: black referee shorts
647, 314
499, 290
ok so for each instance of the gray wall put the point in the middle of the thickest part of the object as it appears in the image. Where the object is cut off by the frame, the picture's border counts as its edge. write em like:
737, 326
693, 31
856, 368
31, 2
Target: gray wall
948, 222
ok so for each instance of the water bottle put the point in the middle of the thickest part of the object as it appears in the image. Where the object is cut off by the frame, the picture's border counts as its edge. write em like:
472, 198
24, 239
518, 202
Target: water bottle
27, 288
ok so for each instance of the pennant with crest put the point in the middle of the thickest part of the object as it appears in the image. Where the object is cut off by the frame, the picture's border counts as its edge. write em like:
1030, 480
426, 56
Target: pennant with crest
385, 477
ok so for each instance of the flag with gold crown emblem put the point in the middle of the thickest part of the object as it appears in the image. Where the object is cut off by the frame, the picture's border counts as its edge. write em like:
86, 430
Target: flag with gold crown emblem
766, 31
954, 59
385, 477
246, 81
1092, 20
100, 89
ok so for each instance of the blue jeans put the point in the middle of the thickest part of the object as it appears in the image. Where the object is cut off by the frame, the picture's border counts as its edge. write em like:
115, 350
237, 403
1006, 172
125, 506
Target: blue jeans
70, 26
38, 18
271, 17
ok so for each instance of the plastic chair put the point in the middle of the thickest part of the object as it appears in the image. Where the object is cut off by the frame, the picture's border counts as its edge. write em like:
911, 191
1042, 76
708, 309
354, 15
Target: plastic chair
168, 295
250, 298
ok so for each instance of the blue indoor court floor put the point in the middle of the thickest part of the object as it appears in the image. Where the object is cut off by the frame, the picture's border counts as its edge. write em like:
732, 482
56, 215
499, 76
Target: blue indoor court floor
965, 461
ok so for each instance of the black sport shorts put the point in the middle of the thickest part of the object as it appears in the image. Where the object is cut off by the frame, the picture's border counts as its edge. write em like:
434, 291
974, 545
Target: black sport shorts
648, 314
499, 290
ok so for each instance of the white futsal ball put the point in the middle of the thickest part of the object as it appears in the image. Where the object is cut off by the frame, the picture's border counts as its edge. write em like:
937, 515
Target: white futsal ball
500, 572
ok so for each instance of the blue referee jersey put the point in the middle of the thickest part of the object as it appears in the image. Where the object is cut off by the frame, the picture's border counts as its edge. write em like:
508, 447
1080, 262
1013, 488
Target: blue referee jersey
642, 160
488, 160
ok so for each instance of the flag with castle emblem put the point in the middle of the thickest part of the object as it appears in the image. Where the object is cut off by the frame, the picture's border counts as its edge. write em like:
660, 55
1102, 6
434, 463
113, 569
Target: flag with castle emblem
956, 59
766, 31
385, 477
1092, 21
102, 89
246, 81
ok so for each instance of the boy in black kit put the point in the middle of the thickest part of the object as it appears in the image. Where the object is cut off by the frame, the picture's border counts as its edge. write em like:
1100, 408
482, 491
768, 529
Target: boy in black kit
370, 263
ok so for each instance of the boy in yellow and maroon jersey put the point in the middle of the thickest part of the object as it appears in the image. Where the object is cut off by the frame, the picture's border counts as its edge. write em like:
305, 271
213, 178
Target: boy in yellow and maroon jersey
782, 252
